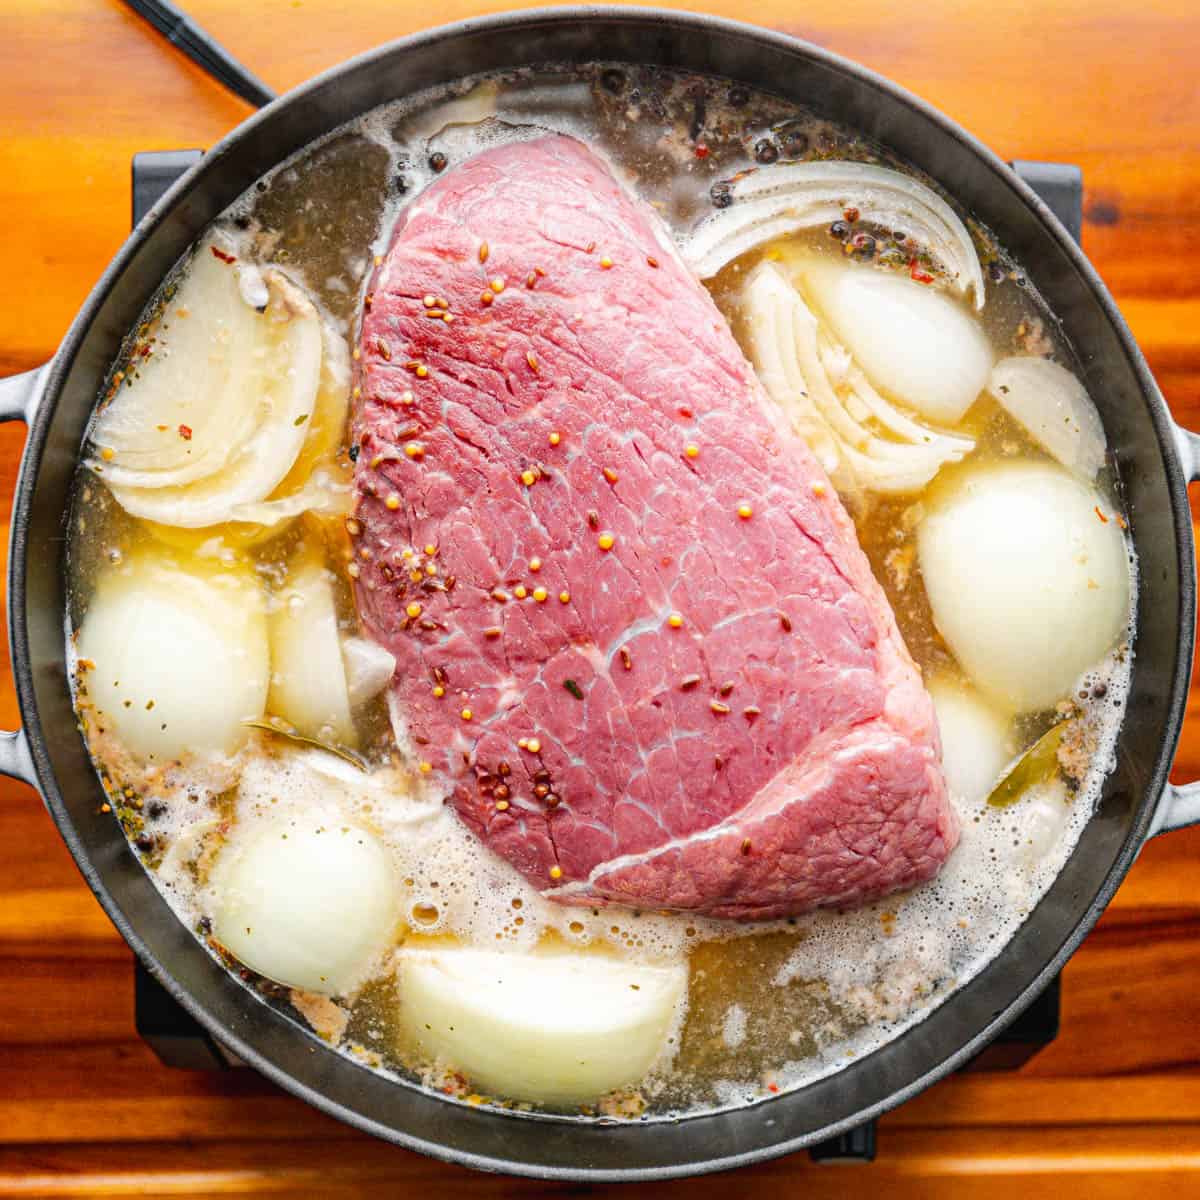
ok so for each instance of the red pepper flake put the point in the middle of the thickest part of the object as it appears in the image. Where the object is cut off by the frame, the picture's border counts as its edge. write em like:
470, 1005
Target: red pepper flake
225, 258
591, 246
368, 300
701, 149
185, 432
652, 262
1103, 518
915, 272
626, 659
1121, 522
610, 475
773, 1088
851, 214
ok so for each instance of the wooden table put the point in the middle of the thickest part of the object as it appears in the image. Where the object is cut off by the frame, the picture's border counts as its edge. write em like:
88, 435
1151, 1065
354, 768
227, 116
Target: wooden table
1111, 1109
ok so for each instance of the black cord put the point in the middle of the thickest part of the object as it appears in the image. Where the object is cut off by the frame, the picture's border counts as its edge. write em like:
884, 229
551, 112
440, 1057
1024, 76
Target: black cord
180, 30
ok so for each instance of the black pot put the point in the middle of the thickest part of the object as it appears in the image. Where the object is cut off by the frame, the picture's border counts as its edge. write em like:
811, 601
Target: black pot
1155, 459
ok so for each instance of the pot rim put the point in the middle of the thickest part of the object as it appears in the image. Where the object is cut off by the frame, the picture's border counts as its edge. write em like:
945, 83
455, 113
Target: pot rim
429, 40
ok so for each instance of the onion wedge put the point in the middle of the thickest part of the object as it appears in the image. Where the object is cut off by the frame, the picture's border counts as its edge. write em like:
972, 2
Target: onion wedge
863, 442
252, 395
560, 1028
200, 346
1054, 409
774, 201
308, 677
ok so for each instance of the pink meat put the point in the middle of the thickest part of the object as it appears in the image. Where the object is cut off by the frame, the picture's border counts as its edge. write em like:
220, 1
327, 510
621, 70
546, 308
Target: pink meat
718, 713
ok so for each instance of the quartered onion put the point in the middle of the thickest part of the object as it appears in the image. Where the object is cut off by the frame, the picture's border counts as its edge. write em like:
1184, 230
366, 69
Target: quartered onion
774, 201
862, 440
306, 902
217, 415
912, 340
205, 341
178, 658
975, 739
369, 668
1027, 576
308, 678
1054, 408
560, 1028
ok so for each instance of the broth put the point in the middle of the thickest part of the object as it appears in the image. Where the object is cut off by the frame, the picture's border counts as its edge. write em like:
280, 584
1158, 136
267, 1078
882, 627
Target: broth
770, 1006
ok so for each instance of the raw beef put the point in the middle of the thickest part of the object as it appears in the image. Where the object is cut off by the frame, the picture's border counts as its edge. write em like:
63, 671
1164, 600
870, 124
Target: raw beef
636, 638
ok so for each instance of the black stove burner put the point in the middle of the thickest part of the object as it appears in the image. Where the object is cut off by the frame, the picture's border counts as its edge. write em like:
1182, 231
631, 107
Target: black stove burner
179, 1040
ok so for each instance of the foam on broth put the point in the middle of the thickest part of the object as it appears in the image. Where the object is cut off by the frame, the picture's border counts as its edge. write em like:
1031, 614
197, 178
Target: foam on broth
771, 1006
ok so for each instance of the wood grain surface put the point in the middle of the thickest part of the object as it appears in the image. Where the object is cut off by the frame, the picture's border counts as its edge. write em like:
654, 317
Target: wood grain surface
1111, 1109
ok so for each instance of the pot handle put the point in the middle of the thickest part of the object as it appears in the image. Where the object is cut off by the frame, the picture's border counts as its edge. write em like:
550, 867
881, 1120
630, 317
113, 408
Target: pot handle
19, 398
1179, 804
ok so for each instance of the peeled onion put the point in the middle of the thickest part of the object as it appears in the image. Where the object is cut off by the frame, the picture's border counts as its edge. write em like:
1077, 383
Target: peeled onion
912, 341
1054, 408
369, 668
216, 416
861, 440
1042, 819
1027, 576
180, 658
308, 677
306, 903
560, 1029
975, 739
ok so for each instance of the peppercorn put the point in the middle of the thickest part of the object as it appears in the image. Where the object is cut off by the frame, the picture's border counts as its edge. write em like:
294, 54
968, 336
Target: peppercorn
144, 842
795, 143
613, 81
862, 247
721, 195
839, 230
739, 96
437, 161
765, 151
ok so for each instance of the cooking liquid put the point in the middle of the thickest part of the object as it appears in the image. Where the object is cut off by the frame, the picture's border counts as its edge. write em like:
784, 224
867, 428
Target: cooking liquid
773, 1005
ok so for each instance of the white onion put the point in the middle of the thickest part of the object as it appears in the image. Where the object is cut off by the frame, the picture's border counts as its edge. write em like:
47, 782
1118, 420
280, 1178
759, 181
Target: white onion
205, 341
1054, 408
219, 412
975, 739
915, 343
308, 678
560, 1028
307, 903
180, 658
1027, 583
369, 668
861, 440
774, 201
1042, 818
